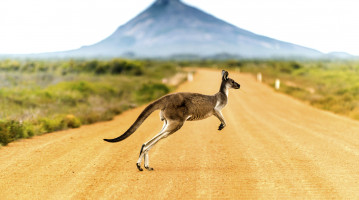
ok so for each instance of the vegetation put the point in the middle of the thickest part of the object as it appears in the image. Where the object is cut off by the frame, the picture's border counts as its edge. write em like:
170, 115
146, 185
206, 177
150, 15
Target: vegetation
333, 86
328, 85
38, 97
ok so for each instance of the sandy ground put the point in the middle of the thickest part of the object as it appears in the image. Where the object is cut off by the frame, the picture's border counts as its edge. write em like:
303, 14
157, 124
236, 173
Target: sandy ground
274, 147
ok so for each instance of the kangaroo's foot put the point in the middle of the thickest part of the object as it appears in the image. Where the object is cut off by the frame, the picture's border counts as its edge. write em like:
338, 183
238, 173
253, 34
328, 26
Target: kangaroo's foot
139, 166
221, 126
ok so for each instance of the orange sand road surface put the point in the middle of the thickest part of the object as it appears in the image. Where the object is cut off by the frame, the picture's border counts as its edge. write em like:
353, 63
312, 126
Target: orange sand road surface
274, 147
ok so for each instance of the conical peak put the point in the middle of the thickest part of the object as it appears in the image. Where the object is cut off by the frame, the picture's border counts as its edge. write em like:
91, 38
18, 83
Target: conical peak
171, 27
165, 2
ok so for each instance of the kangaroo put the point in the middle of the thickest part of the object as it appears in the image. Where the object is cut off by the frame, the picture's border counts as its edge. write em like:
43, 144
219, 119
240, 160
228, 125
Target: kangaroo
176, 109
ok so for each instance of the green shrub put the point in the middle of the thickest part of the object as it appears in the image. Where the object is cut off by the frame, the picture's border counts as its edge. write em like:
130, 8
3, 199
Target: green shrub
151, 91
101, 68
16, 129
44, 93
91, 65
30, 130
70, 121
10, 131
51, 125
119, 66
90, 117
5, 136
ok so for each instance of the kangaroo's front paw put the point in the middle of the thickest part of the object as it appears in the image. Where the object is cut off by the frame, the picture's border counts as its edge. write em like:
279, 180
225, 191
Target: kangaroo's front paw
221, 126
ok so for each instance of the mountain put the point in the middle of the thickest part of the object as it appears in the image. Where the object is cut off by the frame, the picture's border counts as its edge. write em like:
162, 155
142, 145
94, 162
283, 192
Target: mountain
339, 55
170, 27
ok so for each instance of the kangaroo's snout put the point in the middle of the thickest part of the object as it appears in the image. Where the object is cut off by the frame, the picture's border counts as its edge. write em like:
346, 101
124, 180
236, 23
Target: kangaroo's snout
236, 85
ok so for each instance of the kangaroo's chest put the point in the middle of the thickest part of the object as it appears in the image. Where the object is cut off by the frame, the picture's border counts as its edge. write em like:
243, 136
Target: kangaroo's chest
221, 103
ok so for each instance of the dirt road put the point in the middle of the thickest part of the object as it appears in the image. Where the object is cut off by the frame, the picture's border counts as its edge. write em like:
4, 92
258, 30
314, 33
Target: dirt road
273, 147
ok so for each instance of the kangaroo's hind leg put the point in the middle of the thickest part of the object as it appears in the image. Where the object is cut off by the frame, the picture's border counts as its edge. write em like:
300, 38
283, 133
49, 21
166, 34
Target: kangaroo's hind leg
142, 154
170, 128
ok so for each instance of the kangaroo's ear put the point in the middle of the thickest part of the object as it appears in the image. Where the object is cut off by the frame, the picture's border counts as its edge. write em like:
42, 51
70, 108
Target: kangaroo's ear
224, 75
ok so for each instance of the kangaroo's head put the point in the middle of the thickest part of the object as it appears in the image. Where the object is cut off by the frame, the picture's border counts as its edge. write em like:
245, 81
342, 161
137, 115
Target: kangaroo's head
228, 82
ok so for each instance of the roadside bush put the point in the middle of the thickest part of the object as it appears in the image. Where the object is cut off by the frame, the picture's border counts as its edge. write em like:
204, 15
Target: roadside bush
5, 136
52, 95
81, 86
29, 130
151, 91
295, 91
70, 121
10, 131
98, 67
118, 66
101, 68
51, 125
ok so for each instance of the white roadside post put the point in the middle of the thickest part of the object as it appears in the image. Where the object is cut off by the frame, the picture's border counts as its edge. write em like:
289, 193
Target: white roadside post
277, 84
190, 77
259, 77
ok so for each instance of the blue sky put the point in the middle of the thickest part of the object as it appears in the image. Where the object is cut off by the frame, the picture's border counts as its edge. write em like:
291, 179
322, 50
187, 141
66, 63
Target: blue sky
50, 25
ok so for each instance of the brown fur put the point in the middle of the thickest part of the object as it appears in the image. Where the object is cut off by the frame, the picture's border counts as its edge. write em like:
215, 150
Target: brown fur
180, 107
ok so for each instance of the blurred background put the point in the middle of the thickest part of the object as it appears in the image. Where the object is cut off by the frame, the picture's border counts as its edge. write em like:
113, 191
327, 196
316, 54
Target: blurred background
47, 25
68, 63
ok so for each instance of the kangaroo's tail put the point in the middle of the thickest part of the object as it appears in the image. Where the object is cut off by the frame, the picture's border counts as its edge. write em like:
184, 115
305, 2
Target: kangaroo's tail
141, 118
